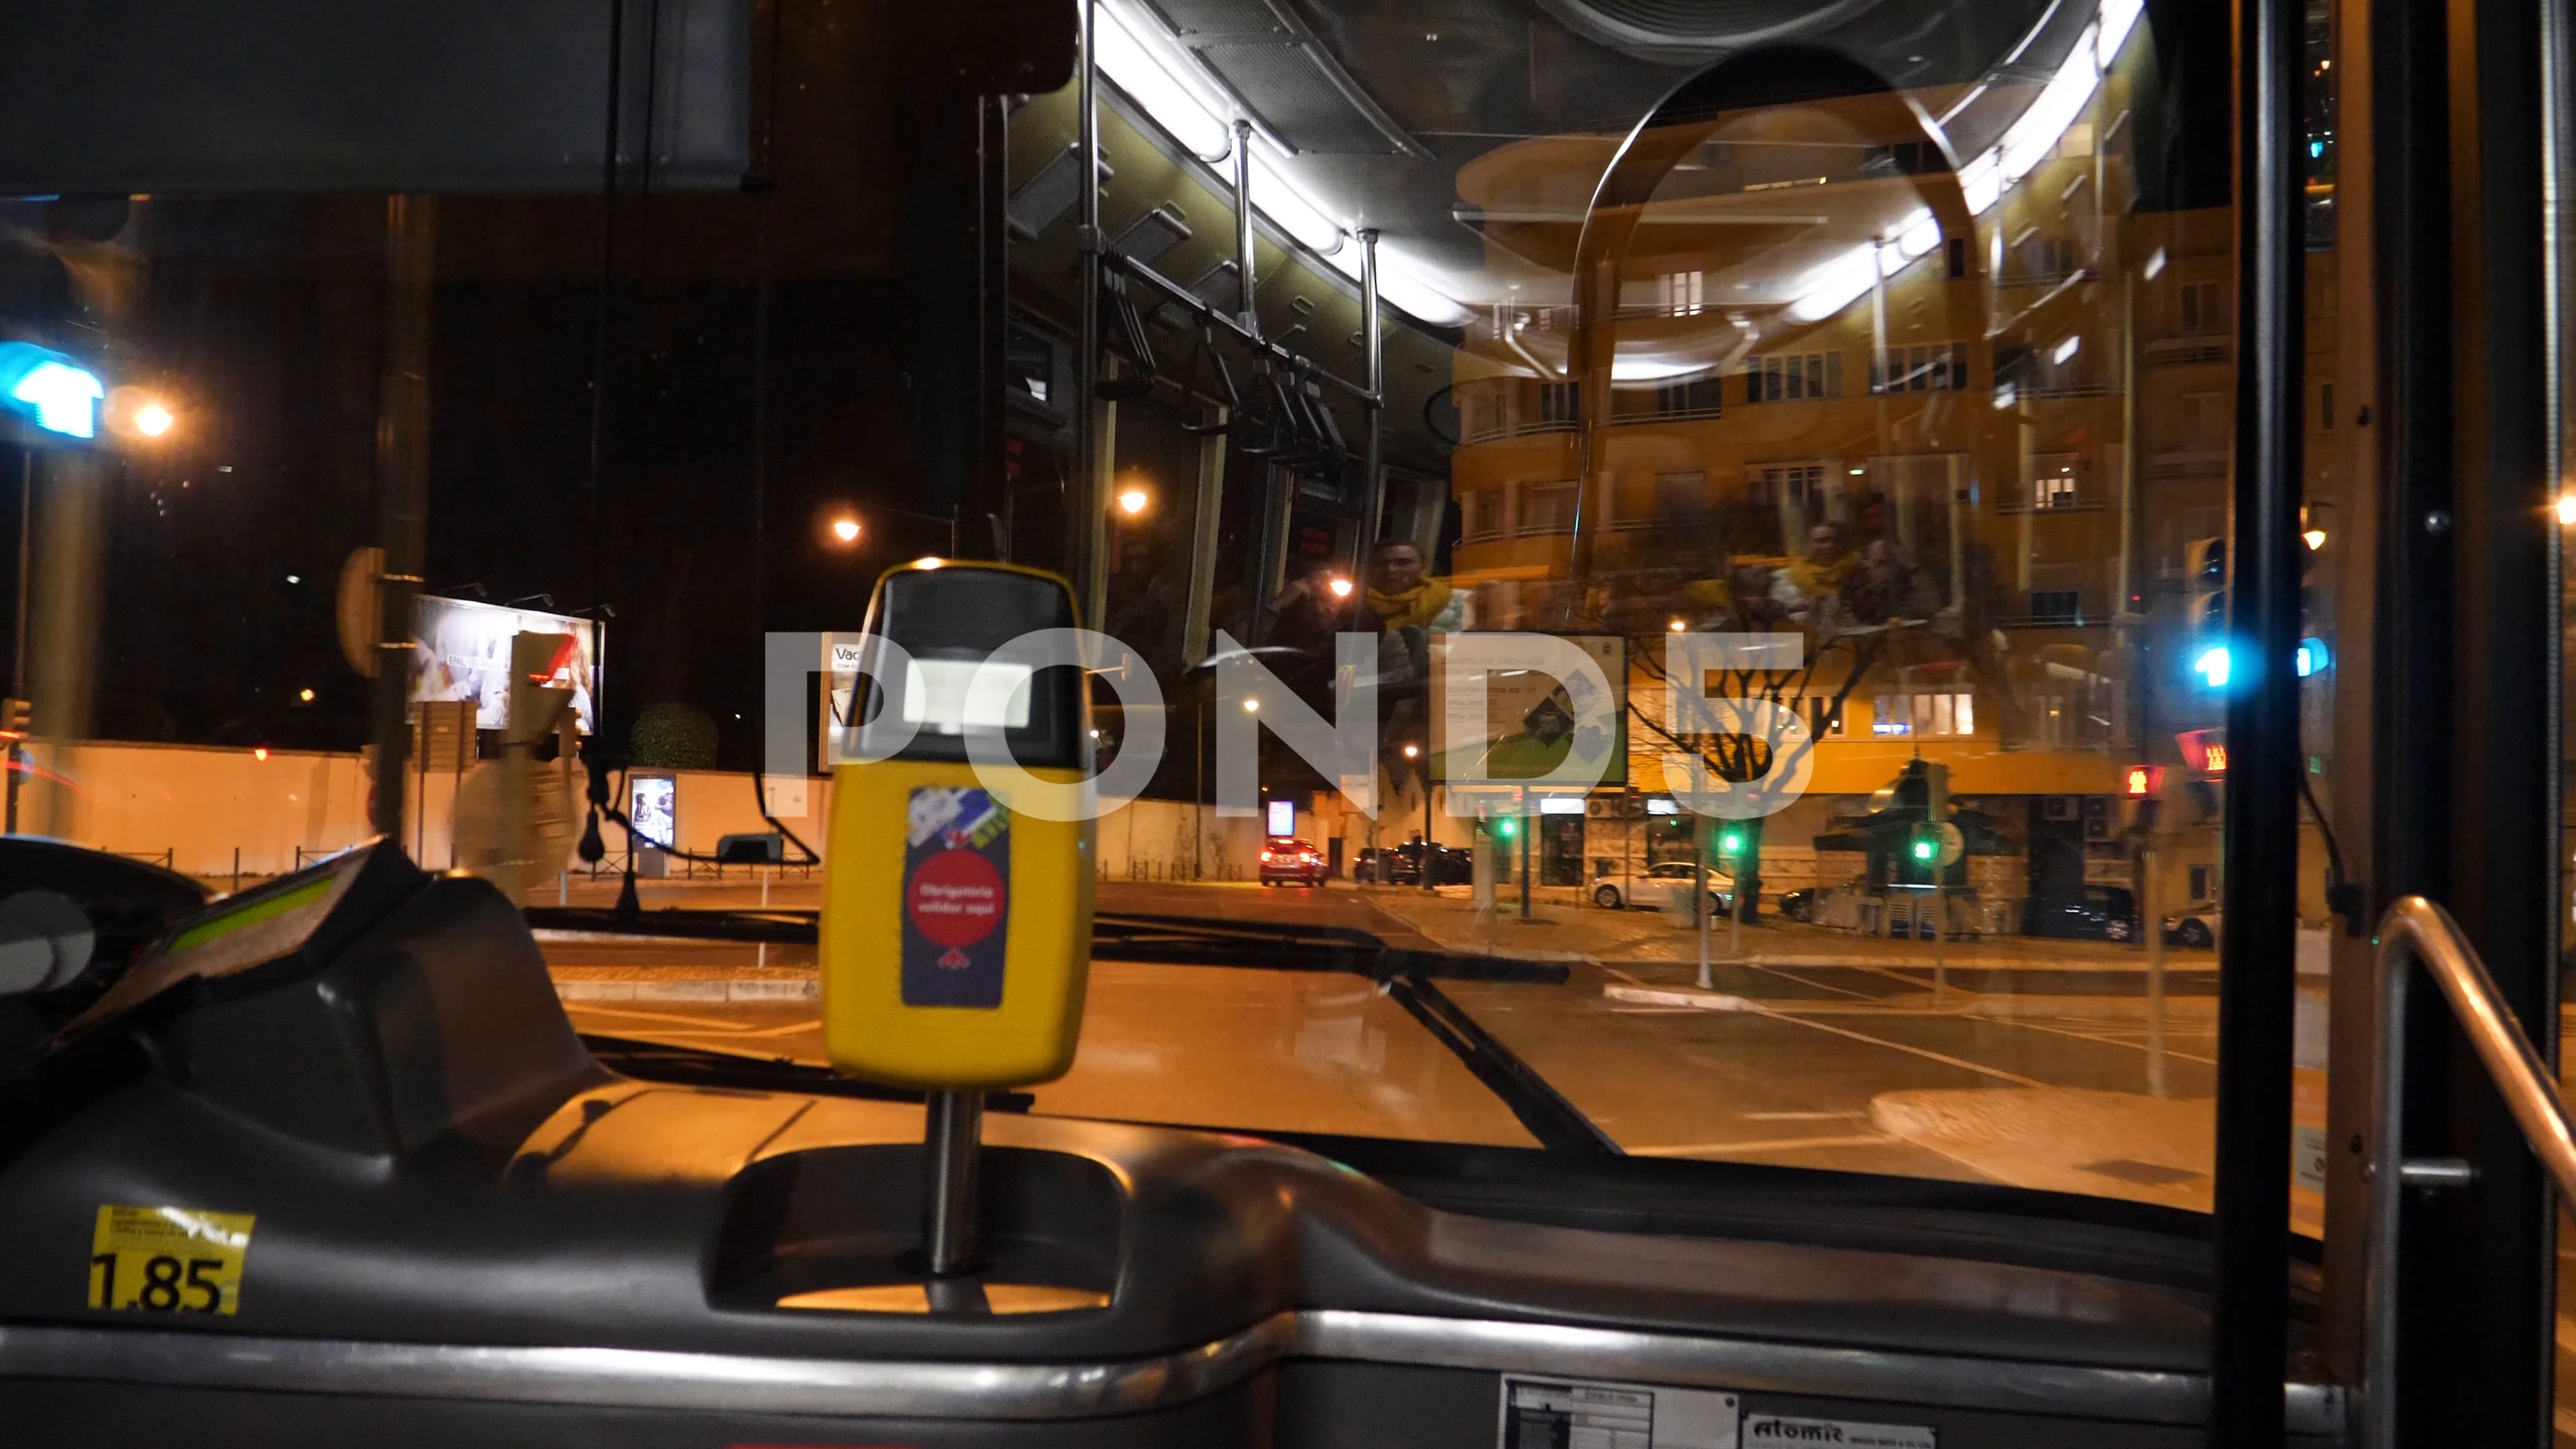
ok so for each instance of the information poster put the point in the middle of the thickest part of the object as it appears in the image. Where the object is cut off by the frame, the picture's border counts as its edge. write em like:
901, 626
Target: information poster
956, 898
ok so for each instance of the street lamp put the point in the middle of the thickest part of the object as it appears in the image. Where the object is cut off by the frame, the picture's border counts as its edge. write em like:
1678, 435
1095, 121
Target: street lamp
1133, 500
1341, 588
846, 529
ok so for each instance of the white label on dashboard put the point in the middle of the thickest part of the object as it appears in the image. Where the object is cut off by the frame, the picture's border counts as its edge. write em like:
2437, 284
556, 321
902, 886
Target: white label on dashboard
1775, 1431
1544, 1413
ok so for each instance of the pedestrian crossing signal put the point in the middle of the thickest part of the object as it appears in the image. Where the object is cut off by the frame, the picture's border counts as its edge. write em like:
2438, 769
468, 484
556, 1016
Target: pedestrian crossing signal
2141, 781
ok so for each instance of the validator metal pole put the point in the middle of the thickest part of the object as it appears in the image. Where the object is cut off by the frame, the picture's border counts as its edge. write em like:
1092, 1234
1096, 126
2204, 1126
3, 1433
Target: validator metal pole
952, 1149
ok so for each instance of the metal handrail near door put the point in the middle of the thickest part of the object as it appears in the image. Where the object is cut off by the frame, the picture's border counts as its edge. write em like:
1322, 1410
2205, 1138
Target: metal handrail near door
2416, 929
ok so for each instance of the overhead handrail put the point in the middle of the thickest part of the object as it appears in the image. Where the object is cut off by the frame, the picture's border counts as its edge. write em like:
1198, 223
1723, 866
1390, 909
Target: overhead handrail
1198, 307
2415, 929
1229, 399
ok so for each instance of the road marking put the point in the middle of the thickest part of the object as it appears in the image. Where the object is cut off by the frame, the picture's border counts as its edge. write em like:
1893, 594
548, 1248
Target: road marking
1996, 1072
700, 1022
1817, 985
1770, 1144
789, 1029
2104, 1040
1802, 1116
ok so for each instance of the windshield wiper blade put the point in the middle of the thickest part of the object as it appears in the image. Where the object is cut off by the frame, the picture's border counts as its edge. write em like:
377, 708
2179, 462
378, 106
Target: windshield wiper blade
1409, 978
655, 1061
1115, 936
685, 923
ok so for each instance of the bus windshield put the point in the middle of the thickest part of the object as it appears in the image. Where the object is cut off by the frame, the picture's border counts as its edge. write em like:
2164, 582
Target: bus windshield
1699, 533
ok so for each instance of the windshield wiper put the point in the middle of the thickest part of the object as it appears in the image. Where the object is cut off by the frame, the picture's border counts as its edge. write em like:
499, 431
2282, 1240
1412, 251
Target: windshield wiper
655, 1061
1115, 936
1409, 978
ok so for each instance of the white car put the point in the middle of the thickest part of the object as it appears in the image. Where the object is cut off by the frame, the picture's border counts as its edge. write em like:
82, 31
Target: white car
1665, 887
2196, 928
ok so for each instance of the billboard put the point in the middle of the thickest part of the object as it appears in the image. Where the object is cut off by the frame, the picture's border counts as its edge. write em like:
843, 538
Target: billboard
463, 653
653, 809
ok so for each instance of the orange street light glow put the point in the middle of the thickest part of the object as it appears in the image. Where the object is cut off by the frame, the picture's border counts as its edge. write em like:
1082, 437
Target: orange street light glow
1132, 501
846, 529
152, 420
305, 695
1341, 588
1676, 626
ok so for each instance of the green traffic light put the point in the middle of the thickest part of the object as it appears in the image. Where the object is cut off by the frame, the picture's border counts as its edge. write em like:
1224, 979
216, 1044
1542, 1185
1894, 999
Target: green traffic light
1505, 829
1926, 849
1731, 843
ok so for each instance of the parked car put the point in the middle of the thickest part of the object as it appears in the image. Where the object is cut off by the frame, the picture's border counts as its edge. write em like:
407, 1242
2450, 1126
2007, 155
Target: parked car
1449, 865
2098, 913
1666, 885
1394, 865
2196, 928
1287, 861
1800, 905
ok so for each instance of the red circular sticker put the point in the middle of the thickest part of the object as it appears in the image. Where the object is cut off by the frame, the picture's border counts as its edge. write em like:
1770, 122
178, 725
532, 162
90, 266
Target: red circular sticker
956, 898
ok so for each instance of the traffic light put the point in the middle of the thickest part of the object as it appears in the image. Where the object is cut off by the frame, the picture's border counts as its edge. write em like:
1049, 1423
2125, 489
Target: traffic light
1507, 827
1924, 845
1730, 841
2204, 568
49, 392
14, 716
2142, 782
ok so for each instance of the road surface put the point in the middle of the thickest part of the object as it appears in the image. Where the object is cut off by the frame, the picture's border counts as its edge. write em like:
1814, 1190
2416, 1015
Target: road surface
2031, 1068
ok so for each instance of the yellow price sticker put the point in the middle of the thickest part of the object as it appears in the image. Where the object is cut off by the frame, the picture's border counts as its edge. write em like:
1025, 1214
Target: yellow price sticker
168, 1260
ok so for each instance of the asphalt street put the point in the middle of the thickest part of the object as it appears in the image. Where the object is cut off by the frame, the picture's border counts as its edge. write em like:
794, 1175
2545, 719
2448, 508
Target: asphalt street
2034, 1070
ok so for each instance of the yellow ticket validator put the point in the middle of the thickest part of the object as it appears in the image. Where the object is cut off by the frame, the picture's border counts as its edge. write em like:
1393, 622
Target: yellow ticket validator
956, 929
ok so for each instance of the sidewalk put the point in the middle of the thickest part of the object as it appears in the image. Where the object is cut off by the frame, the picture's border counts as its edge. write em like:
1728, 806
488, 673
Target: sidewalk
703, 983
1562, 932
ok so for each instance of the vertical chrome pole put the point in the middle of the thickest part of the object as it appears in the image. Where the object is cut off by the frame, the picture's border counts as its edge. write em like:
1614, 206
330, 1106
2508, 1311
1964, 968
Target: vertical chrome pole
952, 1149
1090, 519
1373, 477
17, 758
1250, 315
